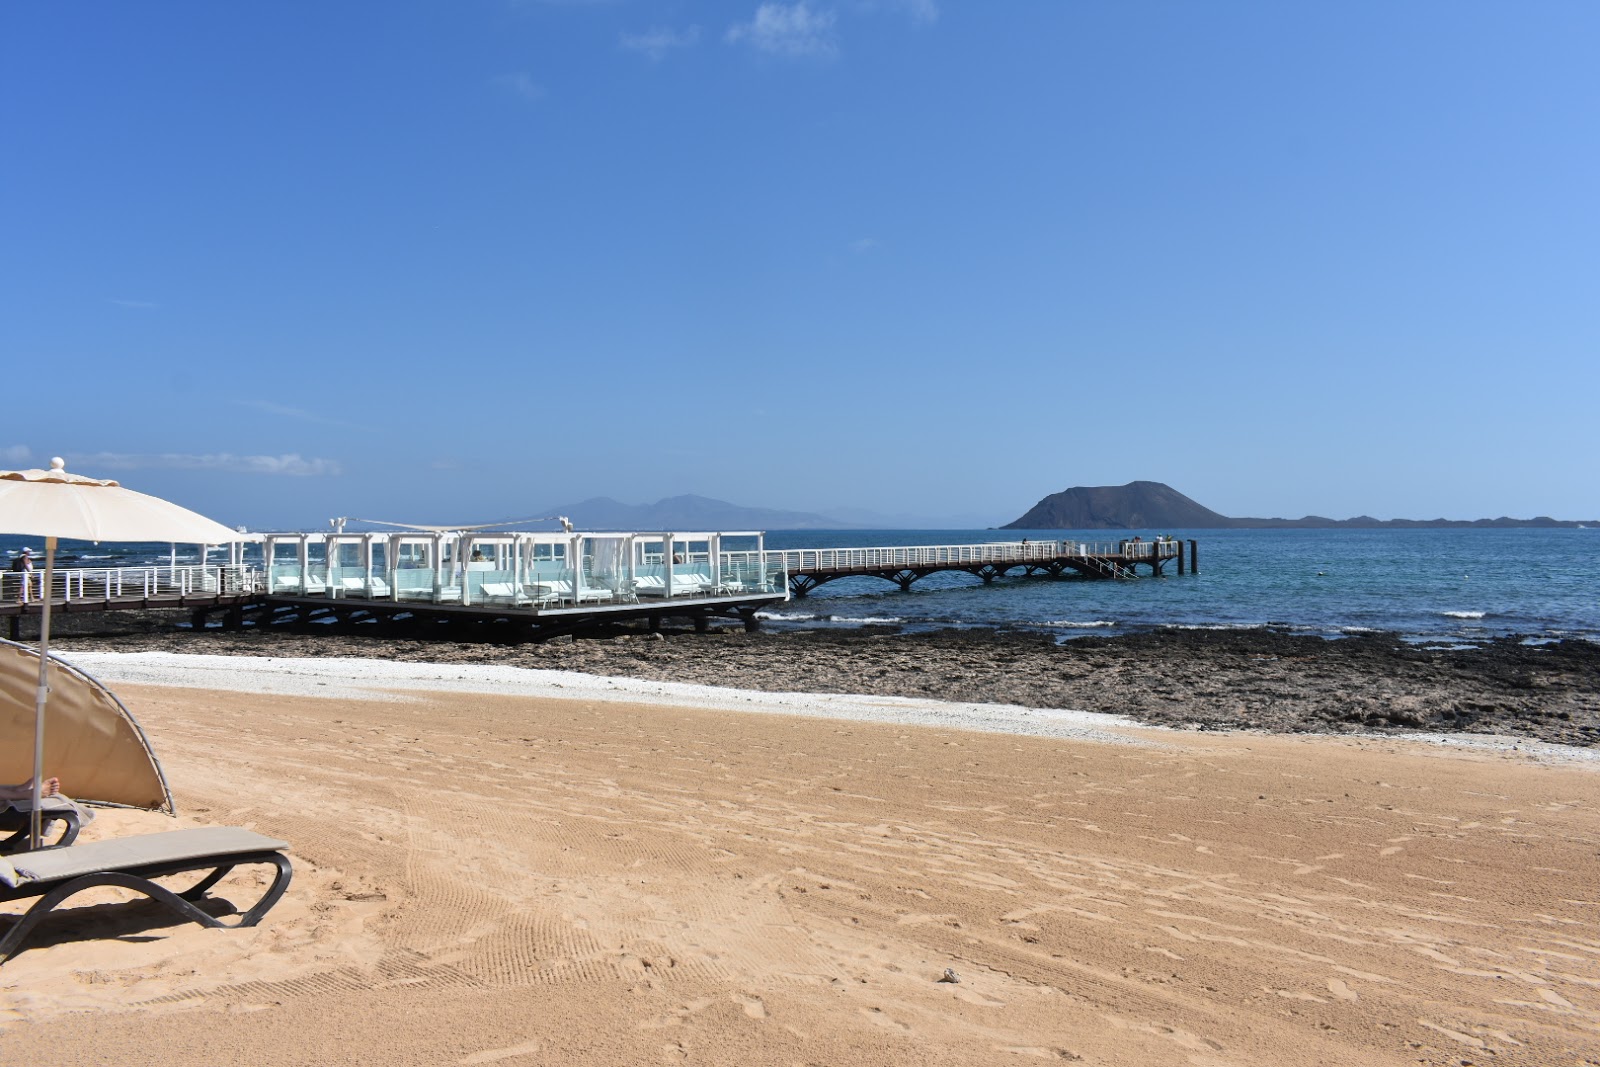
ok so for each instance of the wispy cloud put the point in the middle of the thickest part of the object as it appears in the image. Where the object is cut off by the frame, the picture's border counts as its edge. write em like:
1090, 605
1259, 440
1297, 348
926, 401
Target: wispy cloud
15, 455
862, 245
657, 42
787, 30
522, 86
300, 414
137, 305
290, 464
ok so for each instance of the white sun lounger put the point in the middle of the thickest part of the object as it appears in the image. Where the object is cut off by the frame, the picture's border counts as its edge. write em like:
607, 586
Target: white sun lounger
55, 874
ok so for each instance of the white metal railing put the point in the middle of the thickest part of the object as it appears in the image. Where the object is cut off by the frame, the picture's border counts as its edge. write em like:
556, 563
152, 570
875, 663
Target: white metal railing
105, 584
866, 559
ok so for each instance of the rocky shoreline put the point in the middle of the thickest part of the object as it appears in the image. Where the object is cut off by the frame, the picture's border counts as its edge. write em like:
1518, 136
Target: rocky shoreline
1204, 679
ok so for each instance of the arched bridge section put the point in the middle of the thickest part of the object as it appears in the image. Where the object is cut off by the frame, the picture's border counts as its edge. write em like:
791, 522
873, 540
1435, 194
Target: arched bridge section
904, 565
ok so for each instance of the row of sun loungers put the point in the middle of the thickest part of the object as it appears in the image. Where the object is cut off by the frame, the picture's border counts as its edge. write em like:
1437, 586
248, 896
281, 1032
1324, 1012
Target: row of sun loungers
544, 592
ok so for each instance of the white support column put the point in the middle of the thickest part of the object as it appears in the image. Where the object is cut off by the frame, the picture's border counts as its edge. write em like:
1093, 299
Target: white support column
714, 545
669, 552
437, 559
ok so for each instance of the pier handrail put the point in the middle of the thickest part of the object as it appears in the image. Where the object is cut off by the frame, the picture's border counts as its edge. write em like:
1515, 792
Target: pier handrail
836, 559
151, 581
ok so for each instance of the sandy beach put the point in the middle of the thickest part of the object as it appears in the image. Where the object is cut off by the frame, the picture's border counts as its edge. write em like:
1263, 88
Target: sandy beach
504, 866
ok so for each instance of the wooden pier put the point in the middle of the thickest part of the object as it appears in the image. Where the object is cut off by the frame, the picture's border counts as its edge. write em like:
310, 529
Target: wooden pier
811, 567
717, 585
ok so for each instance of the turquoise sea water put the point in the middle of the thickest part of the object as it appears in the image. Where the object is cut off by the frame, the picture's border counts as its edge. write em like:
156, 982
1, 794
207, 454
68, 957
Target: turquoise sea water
1430, 585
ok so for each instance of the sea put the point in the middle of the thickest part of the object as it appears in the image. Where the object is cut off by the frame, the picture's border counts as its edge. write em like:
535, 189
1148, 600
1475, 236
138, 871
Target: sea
1447, 587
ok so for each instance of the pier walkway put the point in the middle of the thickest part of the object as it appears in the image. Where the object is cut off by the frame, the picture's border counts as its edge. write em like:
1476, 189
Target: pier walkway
810, 567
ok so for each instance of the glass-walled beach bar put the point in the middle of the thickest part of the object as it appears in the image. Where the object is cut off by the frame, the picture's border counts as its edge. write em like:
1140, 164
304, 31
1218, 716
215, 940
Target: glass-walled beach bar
538, 573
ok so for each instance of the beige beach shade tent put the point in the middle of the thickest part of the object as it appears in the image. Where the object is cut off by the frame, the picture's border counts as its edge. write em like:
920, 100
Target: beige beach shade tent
53, 504
93, 741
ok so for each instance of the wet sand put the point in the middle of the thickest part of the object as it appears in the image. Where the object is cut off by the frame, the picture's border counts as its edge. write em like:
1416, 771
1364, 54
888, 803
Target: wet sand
524, 880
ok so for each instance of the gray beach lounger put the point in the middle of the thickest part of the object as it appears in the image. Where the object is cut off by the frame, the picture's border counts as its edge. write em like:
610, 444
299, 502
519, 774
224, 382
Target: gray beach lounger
14, 818
55, 874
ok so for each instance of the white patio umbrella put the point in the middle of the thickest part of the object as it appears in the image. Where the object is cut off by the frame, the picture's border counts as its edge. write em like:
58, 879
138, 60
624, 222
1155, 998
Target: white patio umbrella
53, 504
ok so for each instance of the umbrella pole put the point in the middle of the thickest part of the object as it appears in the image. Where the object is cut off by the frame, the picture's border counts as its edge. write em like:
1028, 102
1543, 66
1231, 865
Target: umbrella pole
35, 823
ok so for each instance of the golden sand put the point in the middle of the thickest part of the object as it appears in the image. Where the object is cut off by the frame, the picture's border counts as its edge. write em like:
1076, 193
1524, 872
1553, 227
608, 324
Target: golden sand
530, 881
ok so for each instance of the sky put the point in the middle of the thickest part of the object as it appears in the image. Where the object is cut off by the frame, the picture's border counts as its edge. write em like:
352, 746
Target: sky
461, 260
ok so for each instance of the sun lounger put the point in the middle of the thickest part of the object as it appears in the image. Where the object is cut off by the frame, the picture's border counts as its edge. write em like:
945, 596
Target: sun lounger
504, 593
682, 584
14, 818
53, 875
586, 594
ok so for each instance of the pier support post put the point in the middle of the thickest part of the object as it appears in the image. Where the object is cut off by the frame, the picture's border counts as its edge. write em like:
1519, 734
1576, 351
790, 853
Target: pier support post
1180, 560
752, 623
198, 617
1194, 557
702, 622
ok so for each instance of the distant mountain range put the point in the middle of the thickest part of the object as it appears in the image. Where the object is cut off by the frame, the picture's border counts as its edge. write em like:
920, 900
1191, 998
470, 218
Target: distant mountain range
688, 513
1154, 506
693, 513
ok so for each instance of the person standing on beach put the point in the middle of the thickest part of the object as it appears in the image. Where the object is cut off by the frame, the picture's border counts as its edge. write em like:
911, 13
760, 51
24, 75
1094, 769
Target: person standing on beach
23, 565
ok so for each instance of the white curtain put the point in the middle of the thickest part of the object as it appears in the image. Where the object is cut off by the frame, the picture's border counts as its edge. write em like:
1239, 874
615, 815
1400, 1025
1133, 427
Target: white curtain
607, 553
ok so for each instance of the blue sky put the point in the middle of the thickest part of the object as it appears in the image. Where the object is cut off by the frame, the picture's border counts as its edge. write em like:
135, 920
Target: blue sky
447, 261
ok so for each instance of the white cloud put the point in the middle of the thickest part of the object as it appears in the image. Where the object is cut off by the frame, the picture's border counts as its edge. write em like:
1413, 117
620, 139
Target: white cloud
861, 246
787, 29
291, 464
15, 455
522, 86
657, 42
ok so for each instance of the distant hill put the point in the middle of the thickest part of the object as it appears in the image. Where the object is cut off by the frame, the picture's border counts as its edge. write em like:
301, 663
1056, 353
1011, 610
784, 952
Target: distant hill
688, 513
1154, 506
1135, 506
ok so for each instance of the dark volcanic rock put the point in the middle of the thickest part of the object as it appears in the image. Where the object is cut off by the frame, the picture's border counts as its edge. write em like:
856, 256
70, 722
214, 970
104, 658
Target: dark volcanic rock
1258, 679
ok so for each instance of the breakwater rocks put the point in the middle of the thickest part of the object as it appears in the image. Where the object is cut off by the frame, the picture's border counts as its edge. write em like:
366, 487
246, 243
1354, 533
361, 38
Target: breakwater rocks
1206, 679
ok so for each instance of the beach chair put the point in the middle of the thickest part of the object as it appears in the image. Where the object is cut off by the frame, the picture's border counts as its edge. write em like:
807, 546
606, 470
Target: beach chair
503, 593
56, 874
14, 819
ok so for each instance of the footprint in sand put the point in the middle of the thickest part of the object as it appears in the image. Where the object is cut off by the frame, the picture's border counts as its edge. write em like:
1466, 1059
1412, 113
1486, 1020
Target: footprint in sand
1341, 990
494, 1055
877, 1016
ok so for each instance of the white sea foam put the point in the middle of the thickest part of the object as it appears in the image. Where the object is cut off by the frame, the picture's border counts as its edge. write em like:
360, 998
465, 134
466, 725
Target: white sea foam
866, 620
1463, 614
1219, 626
1070, 624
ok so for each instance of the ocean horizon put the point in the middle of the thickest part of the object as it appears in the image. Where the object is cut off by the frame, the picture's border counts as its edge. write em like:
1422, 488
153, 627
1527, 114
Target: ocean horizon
1448, 586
